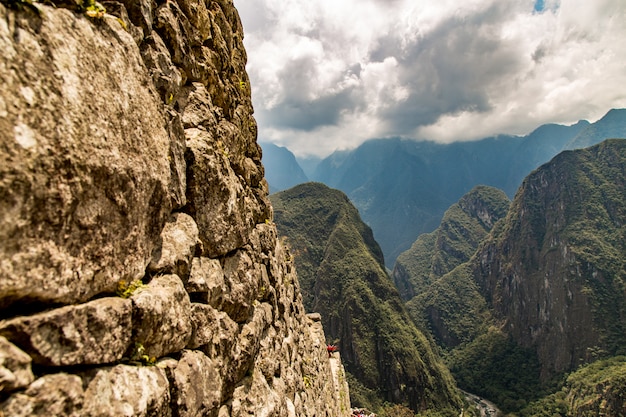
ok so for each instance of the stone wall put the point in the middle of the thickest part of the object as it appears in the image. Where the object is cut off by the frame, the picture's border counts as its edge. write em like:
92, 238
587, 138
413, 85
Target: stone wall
140, 271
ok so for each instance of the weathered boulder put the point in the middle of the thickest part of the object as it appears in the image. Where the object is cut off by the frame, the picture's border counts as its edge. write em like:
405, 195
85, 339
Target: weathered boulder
161, 316
214, 332
128, 154
127, 391
76, 176
177, 246
15, 370
225, 210
96, 332
50, 395
206, 281
196, 385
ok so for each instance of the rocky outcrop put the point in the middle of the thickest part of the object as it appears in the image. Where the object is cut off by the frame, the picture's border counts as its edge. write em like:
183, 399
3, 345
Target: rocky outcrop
454, 242
140, 272
343, 278
554, 272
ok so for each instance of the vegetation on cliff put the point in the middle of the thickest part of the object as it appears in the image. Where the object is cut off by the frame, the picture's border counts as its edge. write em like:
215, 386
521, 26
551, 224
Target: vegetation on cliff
544, 292
596, 389
342, 275
441, 296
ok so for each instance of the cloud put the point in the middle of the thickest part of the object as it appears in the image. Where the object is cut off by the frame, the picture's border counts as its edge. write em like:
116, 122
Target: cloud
331, 74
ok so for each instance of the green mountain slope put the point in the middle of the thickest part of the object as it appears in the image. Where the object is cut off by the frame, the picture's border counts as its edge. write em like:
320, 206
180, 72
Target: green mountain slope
593, 390
555, 272
456, 239
341, 271
543, 293
403, 187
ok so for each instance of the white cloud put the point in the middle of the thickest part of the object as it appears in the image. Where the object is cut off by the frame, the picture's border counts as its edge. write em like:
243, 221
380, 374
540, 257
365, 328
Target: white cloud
330, 74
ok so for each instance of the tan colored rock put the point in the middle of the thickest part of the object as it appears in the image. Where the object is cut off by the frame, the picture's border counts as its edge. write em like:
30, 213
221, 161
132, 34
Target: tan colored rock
196, 385
241, 276
198, 111
225, 210
206, 281
248, 342
103, 143
127, 391
140, 12
255, 397
161, 316
178, 245
214, 332
92, 333
178, 165
15, 370
50, 395
84, 170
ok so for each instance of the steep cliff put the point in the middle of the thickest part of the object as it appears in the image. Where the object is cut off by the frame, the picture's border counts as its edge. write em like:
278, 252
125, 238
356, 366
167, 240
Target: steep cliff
555, 271
456, 239
542, 295
140, 272
343, 277
441, 296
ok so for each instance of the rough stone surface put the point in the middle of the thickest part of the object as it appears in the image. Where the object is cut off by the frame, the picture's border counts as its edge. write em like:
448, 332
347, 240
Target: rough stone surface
206, 281
50, 395
92, 333
15, 370
162, 316
197, 385
178, 243
127, 391
213, 331
84, 171
130, 154
216, 197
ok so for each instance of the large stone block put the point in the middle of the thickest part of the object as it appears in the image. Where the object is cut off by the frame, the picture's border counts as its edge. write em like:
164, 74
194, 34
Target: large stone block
196, 385
206, 281
127, 391
84, 171
213, 331
177, 246
50, 395
15, 370
162, 316
86, 334
225, 211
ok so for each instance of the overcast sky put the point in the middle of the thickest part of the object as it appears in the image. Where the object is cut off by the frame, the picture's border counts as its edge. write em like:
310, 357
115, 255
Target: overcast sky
330, 74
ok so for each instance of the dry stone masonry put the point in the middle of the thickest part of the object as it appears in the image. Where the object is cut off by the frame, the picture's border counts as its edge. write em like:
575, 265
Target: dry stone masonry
140, 271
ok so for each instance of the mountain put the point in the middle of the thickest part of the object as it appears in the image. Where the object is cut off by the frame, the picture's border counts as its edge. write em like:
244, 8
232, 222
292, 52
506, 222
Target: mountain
309, 164
402, 187
610, 126
544, 291
342, 276
418, 271
554, 272
282, 170
596, 389
463, 226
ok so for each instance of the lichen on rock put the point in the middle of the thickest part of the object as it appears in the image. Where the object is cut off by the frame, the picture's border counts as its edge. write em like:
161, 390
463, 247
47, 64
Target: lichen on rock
128, 154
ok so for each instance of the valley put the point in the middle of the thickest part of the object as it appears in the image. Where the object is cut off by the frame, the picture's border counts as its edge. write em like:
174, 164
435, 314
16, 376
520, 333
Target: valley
511, 296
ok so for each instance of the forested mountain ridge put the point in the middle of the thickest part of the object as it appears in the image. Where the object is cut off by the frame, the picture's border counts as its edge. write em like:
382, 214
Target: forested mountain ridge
440, 298
462, 228
342, 275
555, 271
422, 179
544, 292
